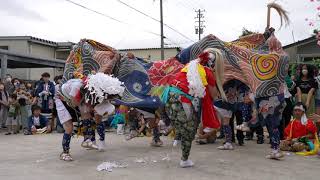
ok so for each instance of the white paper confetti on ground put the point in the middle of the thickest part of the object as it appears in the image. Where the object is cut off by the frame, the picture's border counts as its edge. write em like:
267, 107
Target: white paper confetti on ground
108, 166
140, 160
166, 158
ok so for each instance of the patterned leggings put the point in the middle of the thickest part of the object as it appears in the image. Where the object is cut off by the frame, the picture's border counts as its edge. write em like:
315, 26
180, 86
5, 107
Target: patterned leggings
227, 132
88, 130
184, 121
101, 131
272, 117
66, 142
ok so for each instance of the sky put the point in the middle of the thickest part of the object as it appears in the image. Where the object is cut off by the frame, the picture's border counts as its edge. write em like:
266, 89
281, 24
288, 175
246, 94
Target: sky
60, 20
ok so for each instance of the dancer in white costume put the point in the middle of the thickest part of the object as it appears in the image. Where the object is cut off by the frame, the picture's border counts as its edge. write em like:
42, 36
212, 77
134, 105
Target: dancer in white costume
90, 95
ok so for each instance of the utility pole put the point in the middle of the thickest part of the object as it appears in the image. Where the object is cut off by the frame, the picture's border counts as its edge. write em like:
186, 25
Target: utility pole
199, 27
161, 29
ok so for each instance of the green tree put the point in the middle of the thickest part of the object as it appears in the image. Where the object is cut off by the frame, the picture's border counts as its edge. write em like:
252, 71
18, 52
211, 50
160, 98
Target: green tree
246, 32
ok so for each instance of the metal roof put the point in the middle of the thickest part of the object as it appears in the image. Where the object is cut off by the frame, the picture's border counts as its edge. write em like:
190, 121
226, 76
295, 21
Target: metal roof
37, 40
18, 60
301, 42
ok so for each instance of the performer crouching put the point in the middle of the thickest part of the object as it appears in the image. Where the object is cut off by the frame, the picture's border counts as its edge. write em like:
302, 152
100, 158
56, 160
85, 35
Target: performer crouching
90, 95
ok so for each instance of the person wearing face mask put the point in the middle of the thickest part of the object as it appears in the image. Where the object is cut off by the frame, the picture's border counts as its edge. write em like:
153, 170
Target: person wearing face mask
306, 87
16, 83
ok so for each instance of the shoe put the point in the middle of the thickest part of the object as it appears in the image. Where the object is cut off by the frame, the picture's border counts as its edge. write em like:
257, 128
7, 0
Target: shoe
226, 146
186, 164
8, 133
240, 142
276, 155
176, 143
26, 132
65, 157
156, 144
101, 146
260, 140
88, 144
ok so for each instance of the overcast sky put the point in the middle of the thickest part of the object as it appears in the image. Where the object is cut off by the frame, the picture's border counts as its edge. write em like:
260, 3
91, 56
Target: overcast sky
59, 20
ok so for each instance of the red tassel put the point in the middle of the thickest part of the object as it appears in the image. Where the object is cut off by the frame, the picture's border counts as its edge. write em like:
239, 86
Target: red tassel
204, 57
78, 97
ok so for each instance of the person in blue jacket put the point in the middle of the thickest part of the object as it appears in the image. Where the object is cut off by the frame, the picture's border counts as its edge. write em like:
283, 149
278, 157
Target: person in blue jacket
37, 121
45, 93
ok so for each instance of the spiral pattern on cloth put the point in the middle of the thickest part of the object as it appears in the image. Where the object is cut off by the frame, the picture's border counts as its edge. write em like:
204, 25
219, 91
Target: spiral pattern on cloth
264, 66
89, 65
283, 68
87, 49
242, 53
231, 58
68, 72
268, 88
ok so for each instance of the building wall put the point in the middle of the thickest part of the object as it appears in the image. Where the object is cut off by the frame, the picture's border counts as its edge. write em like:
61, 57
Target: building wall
310, 48
42, 51
18, 73
292, 53
154, 54
33, 73
20, 46
62, 54
38, 50
36, 72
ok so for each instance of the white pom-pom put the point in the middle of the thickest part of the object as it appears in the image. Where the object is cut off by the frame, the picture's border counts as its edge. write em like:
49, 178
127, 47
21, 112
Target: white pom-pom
196, 87
101, 85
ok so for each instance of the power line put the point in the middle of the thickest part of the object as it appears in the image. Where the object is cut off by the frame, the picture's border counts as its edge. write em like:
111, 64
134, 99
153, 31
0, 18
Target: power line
114, 19
135, 9
109, 17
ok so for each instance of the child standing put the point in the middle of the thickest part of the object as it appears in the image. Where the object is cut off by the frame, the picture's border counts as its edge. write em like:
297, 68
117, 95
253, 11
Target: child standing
12, 120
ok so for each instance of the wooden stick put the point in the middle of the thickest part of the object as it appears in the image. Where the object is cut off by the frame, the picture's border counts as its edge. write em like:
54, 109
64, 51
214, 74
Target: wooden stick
268, 17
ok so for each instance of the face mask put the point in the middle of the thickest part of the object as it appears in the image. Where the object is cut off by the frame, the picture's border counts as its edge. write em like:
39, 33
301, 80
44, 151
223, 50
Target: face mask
16, 84
304, 72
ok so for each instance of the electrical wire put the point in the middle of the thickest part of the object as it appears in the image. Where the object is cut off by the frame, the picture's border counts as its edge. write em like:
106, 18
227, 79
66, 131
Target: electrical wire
173, 29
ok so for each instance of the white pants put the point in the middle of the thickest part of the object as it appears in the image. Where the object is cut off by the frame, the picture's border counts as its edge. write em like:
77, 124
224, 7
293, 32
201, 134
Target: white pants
62, 112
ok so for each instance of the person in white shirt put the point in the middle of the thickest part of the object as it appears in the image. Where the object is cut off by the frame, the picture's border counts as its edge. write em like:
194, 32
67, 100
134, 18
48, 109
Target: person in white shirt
37, 122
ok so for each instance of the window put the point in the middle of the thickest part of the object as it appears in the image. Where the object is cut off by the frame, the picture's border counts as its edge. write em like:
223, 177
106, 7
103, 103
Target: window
310, 59
4, 47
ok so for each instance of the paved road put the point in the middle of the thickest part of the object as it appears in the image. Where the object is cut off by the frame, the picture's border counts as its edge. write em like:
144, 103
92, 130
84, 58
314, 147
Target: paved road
36, 157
